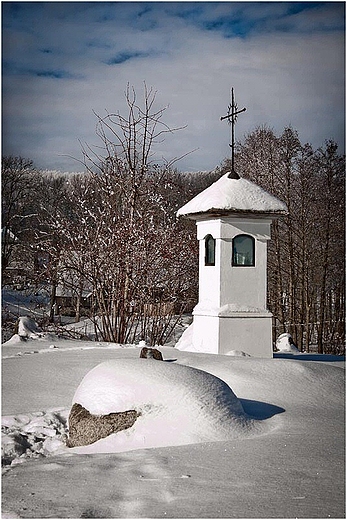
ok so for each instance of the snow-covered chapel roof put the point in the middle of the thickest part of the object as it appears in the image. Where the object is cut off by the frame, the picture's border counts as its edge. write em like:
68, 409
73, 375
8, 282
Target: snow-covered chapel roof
232, 196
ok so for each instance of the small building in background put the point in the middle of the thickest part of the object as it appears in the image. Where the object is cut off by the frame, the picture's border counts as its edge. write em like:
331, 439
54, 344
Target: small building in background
66, 301
233, 218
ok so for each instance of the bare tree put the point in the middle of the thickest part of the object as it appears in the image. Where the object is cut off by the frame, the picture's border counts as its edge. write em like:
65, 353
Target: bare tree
306, 290
330, 247
19, 180
49, 244
121, 229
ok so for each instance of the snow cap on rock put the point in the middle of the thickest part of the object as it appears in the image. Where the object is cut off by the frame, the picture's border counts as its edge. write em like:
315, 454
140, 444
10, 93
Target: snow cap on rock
285, 343
232, 196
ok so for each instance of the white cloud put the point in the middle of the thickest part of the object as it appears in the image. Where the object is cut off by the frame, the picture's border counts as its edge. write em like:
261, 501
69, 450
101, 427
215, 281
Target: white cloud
283, 78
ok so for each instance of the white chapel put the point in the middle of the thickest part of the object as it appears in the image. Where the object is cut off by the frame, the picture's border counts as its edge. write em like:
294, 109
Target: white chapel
233, 218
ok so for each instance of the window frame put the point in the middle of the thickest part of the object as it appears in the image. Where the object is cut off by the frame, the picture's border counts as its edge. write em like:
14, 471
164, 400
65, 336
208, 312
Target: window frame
210, 240
233, 262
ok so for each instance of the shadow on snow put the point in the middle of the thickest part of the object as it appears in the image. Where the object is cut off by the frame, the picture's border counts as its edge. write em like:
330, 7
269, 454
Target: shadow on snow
309, 357
260, 410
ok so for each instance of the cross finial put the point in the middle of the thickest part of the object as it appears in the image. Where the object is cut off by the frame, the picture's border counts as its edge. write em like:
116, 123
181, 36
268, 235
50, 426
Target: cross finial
231, 116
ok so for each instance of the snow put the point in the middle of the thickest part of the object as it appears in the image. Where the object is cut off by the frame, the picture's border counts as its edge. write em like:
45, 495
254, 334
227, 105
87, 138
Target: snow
239, 353
177, 405
185, 342
233, 196
33, 435
27, 328
284, 343
19, 302
280, 455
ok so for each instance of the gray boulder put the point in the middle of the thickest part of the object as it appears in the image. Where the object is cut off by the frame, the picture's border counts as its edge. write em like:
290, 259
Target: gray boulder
85, 428
149, 353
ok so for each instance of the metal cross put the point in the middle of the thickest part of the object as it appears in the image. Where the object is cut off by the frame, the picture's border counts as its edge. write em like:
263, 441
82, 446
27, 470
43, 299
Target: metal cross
231, 116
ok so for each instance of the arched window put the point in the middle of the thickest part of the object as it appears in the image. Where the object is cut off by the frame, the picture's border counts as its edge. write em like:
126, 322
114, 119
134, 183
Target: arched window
243, 251
210, 250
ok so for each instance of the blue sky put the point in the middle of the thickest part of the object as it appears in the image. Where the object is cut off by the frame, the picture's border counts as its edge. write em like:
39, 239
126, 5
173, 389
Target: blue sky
63, 60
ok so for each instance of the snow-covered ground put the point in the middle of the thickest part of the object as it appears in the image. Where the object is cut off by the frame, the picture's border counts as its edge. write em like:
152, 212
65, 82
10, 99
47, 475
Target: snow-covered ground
264, 438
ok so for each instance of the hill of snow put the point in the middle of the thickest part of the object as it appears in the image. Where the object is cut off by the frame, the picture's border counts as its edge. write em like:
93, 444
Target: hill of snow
264, 438
177, 405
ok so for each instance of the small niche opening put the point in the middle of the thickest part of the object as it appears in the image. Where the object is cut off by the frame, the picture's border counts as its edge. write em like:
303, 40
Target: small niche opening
243, 251
210, 250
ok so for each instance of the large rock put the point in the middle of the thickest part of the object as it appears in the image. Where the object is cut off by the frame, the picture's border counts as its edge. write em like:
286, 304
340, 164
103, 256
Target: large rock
151, 353
86, 428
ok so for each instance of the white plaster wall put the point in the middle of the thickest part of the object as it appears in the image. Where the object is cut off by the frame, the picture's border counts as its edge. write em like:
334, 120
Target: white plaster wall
244, 287
209, 276
222, 284
231, 313
220, 335
252, 335
258, 227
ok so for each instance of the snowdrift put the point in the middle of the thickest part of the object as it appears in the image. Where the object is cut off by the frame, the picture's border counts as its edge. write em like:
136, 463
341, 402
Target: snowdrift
285, 343
177, 404
292, 452
32, 435
26, 328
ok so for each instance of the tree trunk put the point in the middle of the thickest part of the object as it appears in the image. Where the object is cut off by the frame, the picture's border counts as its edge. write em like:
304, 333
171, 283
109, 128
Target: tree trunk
52, 303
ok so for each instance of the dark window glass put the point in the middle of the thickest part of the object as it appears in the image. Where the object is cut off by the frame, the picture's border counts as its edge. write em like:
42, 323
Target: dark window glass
210, 250
243, 251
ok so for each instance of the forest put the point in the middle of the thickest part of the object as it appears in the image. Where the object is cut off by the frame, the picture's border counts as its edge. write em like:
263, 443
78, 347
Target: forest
110, 236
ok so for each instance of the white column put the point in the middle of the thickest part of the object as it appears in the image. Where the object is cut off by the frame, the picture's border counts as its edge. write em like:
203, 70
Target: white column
231, 313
